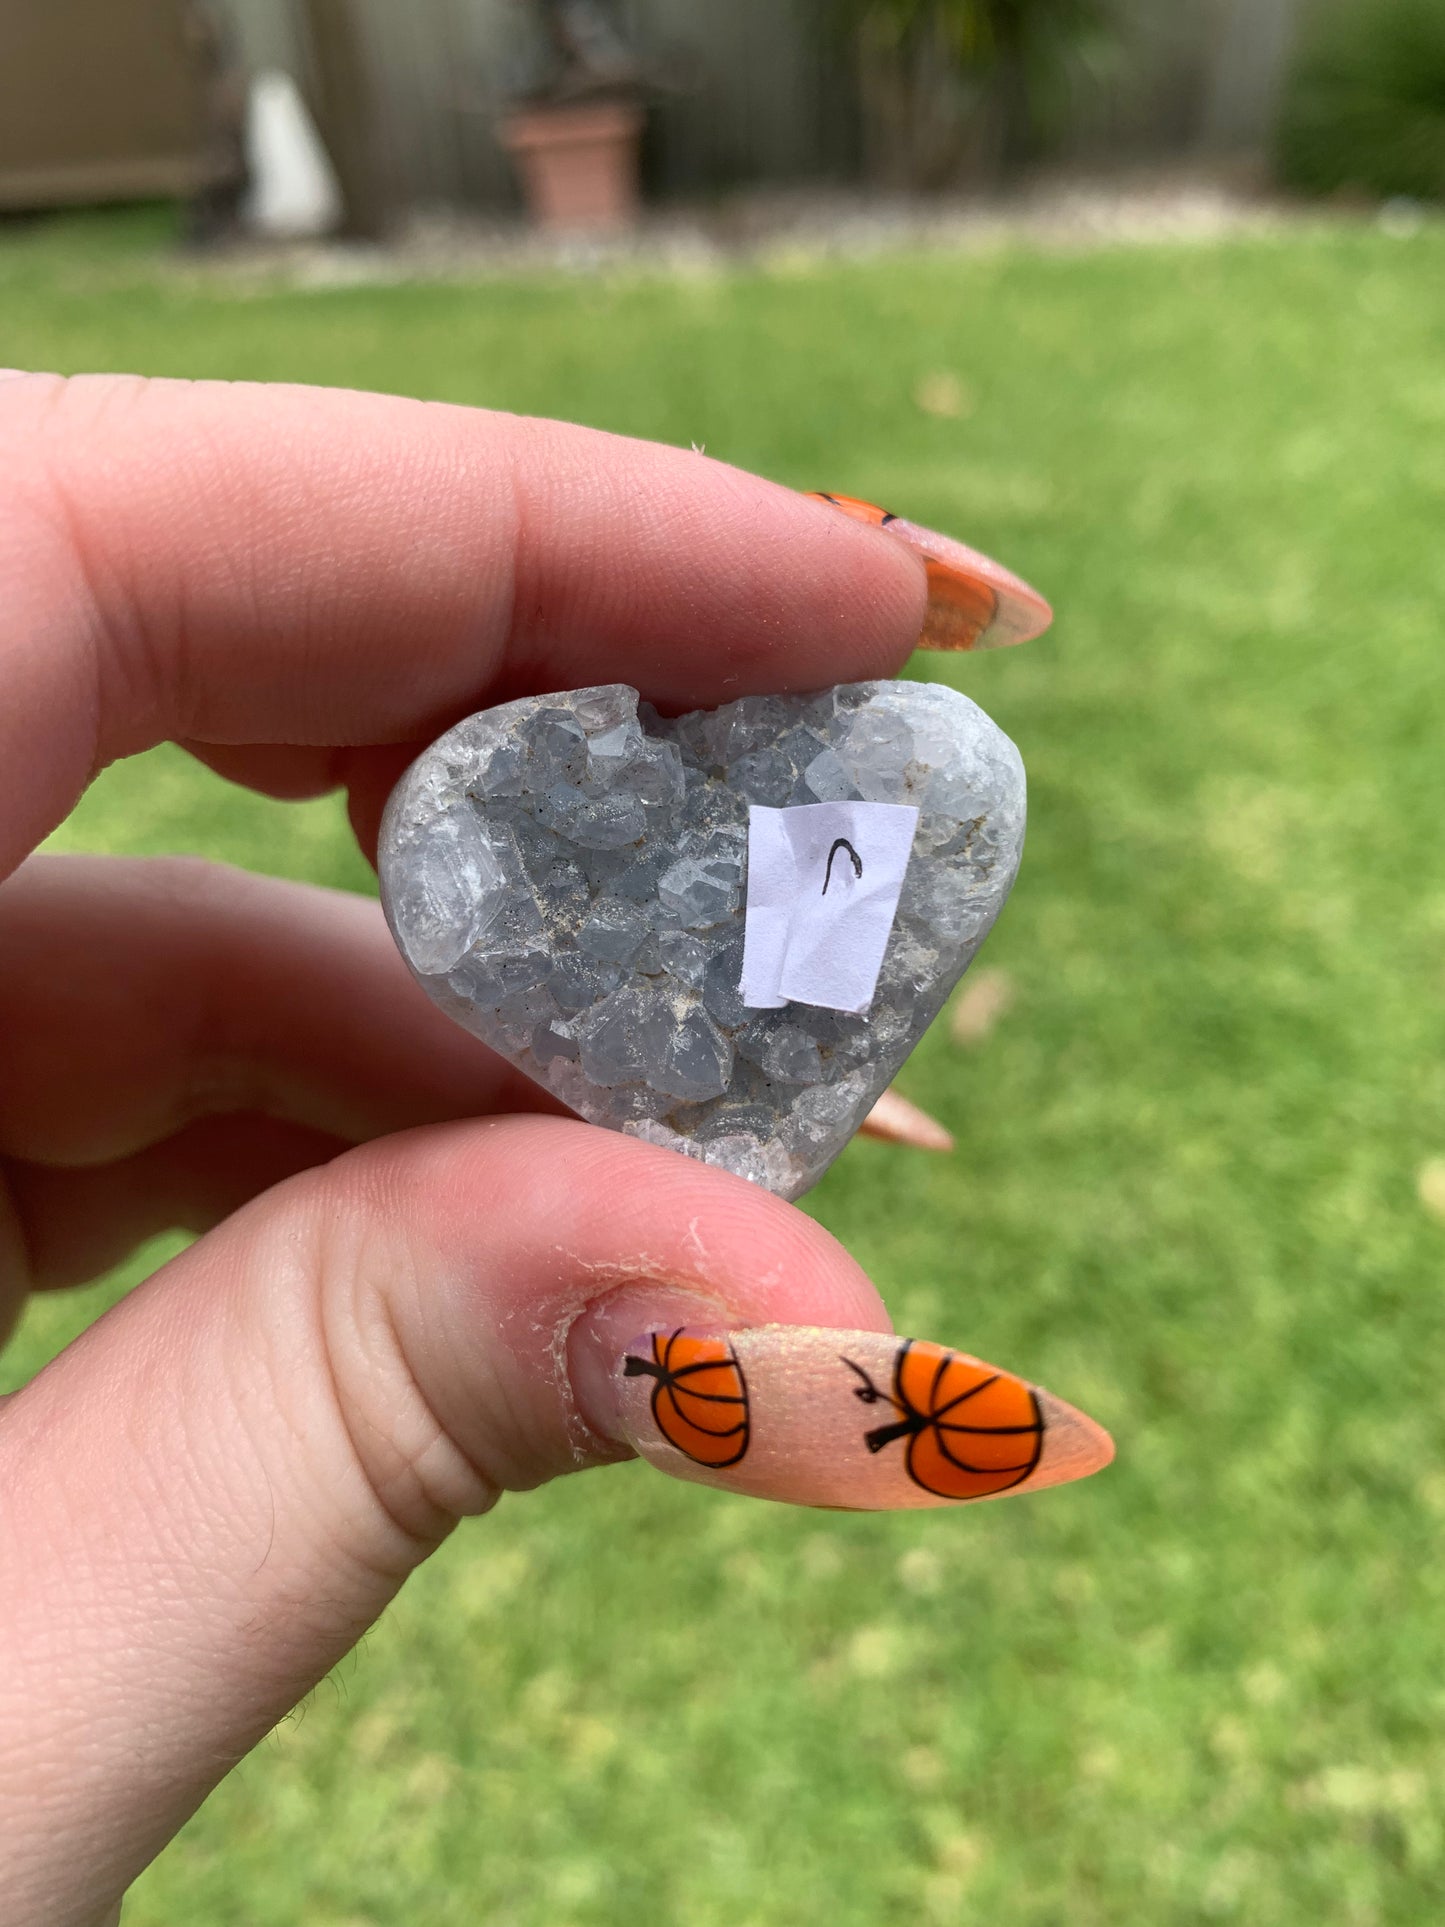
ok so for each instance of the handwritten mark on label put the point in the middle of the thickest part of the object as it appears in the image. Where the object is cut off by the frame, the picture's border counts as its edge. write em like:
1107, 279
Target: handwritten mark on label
841, 843
823, 887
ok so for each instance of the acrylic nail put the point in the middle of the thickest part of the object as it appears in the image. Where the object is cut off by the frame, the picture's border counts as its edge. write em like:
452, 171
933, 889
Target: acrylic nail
973, 602
857, 1421
897, 1121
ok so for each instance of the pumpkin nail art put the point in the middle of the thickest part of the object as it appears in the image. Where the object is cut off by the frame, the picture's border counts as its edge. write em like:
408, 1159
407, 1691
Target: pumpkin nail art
699, 1395
973, 602
862, 1421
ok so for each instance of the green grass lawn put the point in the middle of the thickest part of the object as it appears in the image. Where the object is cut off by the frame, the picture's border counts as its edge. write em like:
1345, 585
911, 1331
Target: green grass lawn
1210, 1685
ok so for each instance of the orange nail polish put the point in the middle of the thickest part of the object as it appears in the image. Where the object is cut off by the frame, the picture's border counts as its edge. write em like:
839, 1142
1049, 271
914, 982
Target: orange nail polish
973, 602
699, 1396
860, 1421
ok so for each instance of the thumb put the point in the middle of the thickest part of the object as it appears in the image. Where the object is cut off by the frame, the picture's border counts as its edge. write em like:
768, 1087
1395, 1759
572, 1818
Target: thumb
208, 1498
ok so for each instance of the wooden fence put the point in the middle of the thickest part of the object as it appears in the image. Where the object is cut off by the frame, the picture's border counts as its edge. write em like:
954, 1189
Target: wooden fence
766, 88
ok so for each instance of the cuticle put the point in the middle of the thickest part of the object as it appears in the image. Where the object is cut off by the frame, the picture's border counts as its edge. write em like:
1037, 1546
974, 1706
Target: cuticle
589, 1445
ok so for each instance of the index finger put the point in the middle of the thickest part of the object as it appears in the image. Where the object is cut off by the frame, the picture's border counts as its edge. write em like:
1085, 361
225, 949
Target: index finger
246, 564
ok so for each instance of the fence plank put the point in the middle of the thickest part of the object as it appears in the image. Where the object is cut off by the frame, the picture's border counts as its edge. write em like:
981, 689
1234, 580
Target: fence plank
1253, 46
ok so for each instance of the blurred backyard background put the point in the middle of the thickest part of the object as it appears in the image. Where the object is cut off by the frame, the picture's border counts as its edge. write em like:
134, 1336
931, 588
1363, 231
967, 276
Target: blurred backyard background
1167, 335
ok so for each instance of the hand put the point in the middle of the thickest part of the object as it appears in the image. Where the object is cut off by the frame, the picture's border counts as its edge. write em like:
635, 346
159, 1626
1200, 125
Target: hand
417, 1281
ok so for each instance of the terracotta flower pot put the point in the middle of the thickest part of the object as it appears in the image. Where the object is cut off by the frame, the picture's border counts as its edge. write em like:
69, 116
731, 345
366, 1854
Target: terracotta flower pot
578, 163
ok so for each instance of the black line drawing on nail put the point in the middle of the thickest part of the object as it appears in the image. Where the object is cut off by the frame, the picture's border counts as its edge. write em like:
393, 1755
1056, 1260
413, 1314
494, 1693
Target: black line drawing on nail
952, 1451
699, 1396
841, 843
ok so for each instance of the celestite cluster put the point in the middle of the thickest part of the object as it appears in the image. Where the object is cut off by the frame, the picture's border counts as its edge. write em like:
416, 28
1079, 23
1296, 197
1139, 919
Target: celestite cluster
566, 876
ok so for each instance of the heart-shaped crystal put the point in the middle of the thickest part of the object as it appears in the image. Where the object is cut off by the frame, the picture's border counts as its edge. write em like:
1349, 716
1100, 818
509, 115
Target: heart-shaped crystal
567, 876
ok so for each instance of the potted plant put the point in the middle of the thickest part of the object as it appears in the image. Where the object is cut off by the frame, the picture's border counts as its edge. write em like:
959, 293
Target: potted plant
576, 127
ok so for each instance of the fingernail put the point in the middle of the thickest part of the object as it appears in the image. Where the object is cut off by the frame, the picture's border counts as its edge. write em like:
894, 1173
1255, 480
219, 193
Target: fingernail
859, 1421
973, 602
898, 1121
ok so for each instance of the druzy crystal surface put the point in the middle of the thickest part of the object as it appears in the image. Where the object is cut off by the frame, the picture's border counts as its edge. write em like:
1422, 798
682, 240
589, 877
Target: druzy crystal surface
567, 877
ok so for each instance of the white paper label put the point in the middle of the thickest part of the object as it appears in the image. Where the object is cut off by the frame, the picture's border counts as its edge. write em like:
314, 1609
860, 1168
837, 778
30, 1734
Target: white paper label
823, 884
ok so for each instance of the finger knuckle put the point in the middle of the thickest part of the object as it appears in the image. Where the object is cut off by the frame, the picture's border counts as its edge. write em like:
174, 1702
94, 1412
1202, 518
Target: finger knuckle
369, 1279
